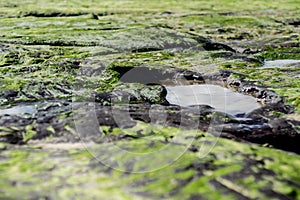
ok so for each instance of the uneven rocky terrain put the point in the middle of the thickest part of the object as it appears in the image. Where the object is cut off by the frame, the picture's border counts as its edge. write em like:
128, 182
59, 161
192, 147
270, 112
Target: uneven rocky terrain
85, 109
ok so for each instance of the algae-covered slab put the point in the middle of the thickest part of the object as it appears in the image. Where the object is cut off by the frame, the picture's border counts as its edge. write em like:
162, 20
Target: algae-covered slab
83, 108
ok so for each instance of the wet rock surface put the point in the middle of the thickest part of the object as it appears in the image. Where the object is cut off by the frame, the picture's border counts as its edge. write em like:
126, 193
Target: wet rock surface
148, 103
84, 110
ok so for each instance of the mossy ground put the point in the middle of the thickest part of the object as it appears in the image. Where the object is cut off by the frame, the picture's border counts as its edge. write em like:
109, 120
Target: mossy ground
55, 49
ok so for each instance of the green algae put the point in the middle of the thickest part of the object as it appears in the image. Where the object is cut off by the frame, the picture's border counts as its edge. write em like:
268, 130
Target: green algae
53, 173
200, 172
45, 45
28, 133
223, 170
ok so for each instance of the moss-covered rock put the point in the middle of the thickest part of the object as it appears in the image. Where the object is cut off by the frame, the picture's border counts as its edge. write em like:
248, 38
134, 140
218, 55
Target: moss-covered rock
65, 61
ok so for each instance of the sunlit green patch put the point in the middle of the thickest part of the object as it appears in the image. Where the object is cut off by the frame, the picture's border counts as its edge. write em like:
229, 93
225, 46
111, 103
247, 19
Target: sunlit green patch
38, 172
282, 53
